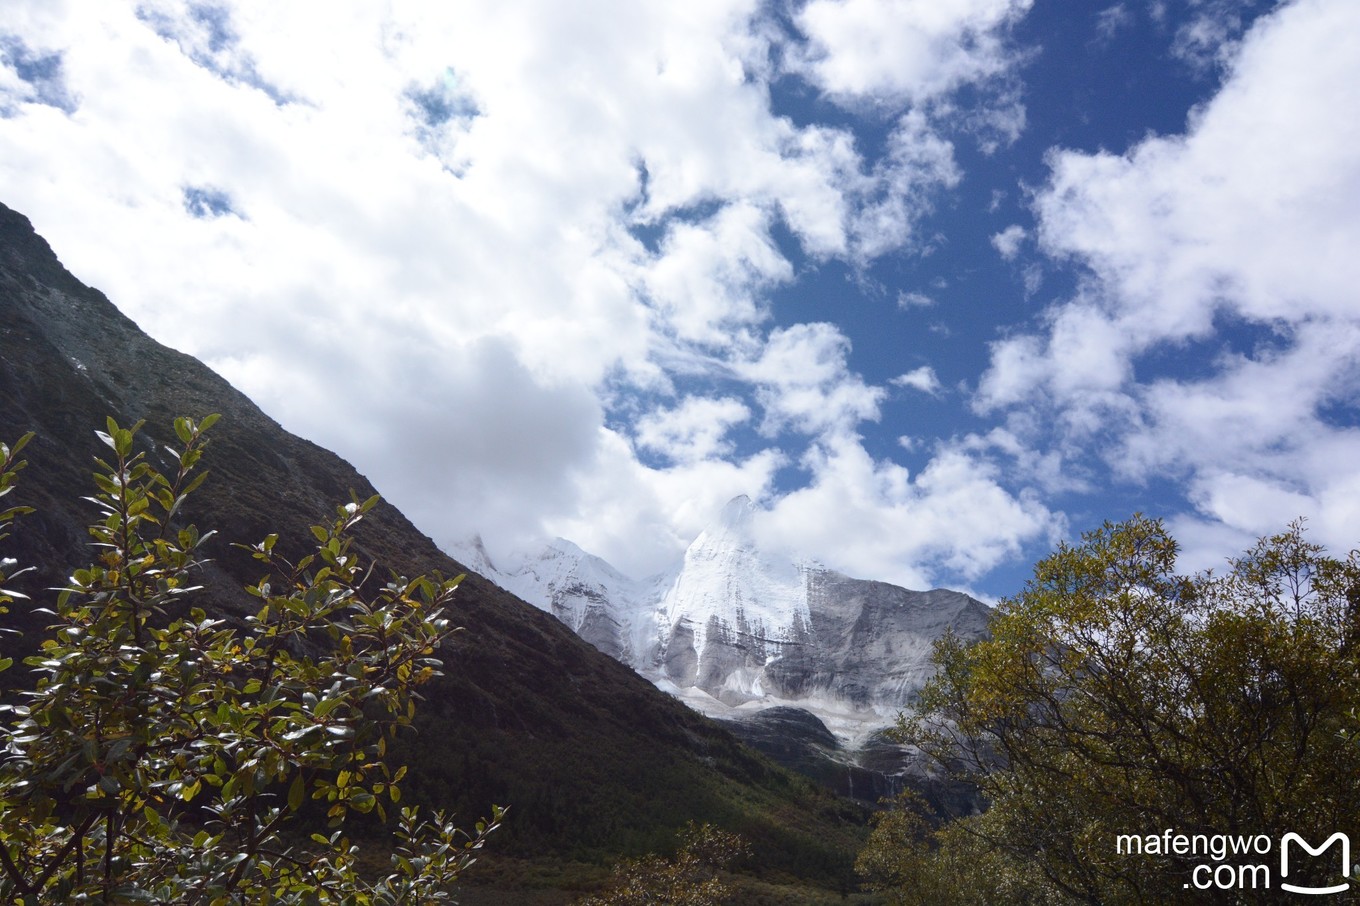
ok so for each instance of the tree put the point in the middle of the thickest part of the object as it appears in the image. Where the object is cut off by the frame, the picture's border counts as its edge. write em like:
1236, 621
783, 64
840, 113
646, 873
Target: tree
690, 878
1118, 697
917, 862
165, 756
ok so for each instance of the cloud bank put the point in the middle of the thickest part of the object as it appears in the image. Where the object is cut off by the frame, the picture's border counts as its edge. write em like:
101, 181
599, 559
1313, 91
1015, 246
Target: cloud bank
520, 261
1215, 337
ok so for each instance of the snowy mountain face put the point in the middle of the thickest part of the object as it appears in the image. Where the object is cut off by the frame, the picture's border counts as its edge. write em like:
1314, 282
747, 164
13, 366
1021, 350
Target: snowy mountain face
729, 613
733, 630
603, 606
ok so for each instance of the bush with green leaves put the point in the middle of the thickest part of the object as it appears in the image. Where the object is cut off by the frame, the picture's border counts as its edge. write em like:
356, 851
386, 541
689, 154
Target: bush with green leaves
915, 860
689, 878
10, 465
166, 755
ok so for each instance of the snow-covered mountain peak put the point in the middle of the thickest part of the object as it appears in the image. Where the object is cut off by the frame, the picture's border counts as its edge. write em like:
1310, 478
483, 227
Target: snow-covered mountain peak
736, 626
728, 535
605, 607
472, 553
735, 519
560, 560
729, 587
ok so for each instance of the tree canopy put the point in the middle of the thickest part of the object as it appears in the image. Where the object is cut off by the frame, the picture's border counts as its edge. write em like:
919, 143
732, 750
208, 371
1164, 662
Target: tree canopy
1118, 699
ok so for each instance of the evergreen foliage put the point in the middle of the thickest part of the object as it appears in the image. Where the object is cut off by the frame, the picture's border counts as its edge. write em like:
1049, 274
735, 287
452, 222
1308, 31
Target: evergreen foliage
165, 756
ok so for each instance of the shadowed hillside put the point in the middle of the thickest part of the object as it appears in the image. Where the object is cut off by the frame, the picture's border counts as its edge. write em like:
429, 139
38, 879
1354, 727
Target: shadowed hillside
592, 760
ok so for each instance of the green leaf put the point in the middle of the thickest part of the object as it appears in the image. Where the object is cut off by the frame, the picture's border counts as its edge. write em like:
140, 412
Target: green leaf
326, 707
19, 444
297, 792
194, 485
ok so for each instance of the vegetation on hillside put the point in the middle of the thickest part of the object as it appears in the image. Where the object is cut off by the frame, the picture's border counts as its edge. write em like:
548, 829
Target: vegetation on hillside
1131, 725
164, 756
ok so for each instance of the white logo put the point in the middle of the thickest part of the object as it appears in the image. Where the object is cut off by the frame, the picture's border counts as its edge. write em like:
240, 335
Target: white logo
1345, 861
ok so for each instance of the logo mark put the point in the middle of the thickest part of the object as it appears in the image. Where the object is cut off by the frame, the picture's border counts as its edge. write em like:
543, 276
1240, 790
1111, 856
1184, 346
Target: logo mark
1345, 861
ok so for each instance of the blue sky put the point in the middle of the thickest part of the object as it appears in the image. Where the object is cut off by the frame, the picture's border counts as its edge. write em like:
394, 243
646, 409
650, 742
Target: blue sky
936, 283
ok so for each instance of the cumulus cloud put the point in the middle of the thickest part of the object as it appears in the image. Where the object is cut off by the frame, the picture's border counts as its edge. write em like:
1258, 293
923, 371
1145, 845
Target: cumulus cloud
458, 244
693, 431
642, 518
804, 382
1215, 339
1008, 241
708, 281
923, 379
910, 51
871, 517
918, 164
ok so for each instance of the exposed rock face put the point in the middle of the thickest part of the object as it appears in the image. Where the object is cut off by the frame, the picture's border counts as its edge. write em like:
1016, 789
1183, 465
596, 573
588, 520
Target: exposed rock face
869, 643
732, 627
875, 770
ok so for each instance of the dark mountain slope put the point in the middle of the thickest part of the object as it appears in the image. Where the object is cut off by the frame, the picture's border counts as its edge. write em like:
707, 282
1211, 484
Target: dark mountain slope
592, 759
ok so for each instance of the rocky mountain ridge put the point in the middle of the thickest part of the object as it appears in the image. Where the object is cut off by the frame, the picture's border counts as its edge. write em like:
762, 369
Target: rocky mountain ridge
733, 629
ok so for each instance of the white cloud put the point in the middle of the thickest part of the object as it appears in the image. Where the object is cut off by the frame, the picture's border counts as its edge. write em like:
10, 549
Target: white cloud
709, 280
918, 163
1111, 20
1253, 439
1008, 241
871, 518
998, 124
641, 519
923, 379
1248, 212
693, 431
1210, 38
1219, 323
803, 382
915, 50
914, 300
444, 240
